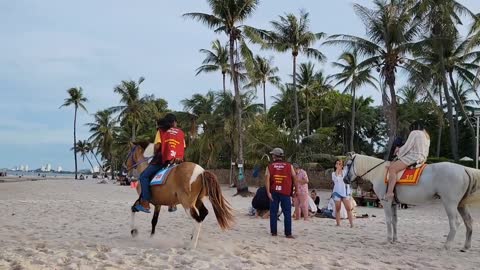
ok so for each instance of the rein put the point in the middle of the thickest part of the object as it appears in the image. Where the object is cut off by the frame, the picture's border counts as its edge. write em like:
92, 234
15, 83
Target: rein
361, 176
135, 164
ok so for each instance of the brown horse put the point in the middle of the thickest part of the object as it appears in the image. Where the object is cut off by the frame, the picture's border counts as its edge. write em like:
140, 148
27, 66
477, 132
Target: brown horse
187, 184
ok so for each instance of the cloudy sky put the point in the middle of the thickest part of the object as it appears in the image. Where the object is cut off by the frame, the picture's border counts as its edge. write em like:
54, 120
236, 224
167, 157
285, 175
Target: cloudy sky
49, 46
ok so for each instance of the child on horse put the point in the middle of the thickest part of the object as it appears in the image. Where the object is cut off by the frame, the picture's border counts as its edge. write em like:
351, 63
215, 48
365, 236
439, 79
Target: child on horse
169, 148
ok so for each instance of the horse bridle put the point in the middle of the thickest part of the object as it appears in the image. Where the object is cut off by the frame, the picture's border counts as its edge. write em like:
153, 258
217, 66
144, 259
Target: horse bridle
130, 156
352, 165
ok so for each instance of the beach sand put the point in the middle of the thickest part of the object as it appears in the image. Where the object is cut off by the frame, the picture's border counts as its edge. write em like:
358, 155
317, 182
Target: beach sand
67, 224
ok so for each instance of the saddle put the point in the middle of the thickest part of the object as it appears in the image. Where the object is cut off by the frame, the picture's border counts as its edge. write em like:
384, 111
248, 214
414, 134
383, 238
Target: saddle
161, 176
410, 175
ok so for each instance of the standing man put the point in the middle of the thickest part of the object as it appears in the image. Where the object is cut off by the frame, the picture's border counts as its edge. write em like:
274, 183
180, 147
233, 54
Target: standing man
280, 179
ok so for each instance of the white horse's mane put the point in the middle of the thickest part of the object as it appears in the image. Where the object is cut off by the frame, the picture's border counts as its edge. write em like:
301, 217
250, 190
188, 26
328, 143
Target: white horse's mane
364, 163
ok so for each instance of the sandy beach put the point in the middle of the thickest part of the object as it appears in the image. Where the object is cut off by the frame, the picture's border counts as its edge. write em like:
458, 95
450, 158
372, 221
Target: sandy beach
67, 224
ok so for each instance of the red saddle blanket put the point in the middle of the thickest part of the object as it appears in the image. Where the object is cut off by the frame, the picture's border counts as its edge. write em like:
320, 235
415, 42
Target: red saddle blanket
409, 176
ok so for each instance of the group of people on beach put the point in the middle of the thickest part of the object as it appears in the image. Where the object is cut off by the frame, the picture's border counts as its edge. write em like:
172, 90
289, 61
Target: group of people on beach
283, 180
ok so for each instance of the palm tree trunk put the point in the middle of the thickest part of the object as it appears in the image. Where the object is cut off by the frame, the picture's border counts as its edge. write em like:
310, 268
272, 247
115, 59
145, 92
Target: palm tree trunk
264, 100
392, 115
112, 167
98, 162
75, 140
459, 102
352, 124
308, 111
91, 165
453, 140
440, 125
295, 98
224, 87
242, 187
133, 132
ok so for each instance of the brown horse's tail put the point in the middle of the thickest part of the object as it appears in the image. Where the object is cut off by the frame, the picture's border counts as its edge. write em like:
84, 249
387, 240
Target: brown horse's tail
221, 207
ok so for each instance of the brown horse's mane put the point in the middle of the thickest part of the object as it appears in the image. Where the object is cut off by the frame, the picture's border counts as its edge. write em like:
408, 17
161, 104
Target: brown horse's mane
142, 144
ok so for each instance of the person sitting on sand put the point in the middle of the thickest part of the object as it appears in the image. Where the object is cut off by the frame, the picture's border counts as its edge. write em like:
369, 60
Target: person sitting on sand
261, 203
316, 199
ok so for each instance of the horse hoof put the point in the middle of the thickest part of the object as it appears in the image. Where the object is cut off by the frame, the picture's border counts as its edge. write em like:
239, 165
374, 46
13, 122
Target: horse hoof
134, 232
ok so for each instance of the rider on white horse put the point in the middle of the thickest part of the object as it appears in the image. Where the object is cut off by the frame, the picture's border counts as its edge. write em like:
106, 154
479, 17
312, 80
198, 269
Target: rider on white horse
414, 151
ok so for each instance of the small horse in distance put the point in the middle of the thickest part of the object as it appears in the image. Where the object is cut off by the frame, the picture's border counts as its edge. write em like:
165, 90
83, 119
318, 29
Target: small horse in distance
186, 184
456, 186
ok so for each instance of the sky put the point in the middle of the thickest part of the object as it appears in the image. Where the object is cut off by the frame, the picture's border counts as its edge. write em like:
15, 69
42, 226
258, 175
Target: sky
49, 46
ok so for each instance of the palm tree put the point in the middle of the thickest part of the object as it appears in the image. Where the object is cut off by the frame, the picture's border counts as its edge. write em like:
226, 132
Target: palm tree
132, 109
390, 29
458, 60
226, 17
291, 34
104, 130
281, 112
440, 18
353, 77
75, 98
262, 72
312, 84
215, 60
84, 148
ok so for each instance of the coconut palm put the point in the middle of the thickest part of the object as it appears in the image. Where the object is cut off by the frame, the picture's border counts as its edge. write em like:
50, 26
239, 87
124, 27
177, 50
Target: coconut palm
281, 112
291, 34
312, 84
440, 18
215, 60
132, 109
227, 16
390, 29
104, 130
353, 77
76, 99
84, 148
262, 72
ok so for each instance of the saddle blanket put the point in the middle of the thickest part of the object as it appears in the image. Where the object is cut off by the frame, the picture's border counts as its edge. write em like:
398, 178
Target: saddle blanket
161, 176
409, 176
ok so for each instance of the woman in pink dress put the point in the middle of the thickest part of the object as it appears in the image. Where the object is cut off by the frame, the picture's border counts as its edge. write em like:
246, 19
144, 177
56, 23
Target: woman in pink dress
301, 193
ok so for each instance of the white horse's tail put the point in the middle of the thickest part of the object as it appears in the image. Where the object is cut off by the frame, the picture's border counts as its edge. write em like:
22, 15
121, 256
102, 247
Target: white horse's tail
472, 196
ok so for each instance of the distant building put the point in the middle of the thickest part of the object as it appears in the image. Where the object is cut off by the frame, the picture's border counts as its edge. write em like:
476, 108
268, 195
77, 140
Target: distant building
26, 168
22, 168
43, 169
59, 169
49, 167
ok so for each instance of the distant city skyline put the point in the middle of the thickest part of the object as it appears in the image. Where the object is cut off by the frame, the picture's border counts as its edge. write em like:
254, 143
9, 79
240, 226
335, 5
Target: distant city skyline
44, 52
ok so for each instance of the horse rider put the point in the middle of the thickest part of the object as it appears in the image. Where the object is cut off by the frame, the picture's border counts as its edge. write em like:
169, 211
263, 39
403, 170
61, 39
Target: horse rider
169, 148
280, 179
413, 152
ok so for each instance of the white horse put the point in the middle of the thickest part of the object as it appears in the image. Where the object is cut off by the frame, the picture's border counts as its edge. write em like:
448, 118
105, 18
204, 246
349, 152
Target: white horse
454, 184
